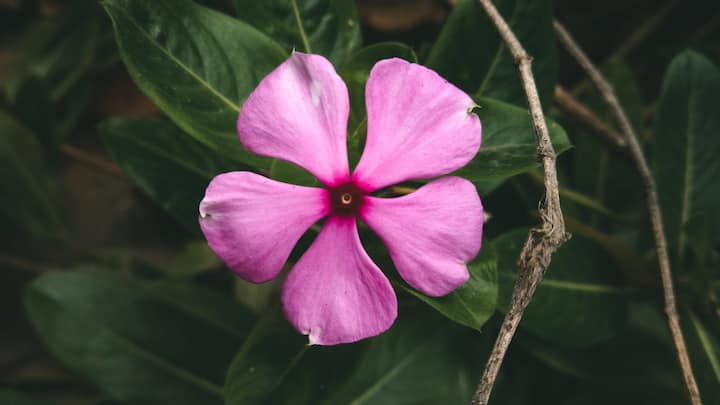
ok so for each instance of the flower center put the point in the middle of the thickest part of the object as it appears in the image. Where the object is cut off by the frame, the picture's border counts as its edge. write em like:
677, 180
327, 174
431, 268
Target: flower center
345, 199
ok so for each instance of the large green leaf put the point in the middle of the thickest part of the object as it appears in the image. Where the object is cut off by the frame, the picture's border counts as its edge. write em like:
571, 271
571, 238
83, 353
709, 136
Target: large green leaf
704, 349
275, 365
578, 303
687, 146
138, 343
26, 188
474, 302
170, 167
470, 53
196, 64
639, 366
416, 362
508, 142
331, 27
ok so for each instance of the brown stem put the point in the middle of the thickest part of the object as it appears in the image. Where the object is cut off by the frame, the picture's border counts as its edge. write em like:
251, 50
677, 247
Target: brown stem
23, 264
644, 31
635, 39
542, 241
638, 158
706, 29
91, 160
568, 103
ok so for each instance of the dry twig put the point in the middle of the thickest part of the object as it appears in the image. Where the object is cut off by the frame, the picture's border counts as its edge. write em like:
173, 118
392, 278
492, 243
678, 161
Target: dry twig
23, 264
635, 39
543, 241
568, 103
638, 158
644, 31
92, 160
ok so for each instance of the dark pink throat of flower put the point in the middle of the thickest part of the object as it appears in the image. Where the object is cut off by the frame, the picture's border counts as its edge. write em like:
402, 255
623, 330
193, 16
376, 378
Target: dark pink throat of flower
346, 199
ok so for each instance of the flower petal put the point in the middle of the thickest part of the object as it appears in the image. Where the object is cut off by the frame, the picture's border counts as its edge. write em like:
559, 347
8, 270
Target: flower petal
299, 113
335, 293
431, 233
252, 223
419, 126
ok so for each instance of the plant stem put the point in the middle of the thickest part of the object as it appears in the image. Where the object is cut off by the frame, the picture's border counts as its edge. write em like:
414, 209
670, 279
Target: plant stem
580, 199
638, 158
23, 264
543, 241
301, 29
635, 39
568, 103
91, 160
644, 31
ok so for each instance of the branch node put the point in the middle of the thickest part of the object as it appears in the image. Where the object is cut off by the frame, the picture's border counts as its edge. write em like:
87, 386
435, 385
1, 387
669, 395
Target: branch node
543, 240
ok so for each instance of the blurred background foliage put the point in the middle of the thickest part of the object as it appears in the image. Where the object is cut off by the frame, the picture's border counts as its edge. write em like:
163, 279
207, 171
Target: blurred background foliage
114, 116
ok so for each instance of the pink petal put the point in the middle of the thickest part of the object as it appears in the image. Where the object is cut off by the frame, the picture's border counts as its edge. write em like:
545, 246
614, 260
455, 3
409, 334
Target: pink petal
419, 126
431, 233
335, 293
299, 113
252, 222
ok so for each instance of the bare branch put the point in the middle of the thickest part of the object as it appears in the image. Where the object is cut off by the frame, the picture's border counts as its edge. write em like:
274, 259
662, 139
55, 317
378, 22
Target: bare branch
635, 39
568, 103
644, 31
91, 160
638, 158
542, 241
23, 264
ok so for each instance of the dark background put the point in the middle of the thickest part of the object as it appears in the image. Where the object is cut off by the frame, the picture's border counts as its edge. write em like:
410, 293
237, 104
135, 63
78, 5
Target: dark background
104, 210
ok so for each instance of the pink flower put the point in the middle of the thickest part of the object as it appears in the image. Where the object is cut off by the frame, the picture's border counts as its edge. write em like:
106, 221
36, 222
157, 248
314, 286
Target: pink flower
419, 126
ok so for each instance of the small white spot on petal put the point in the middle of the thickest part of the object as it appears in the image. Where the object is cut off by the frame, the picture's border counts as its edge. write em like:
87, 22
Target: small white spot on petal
315, 92
313, 336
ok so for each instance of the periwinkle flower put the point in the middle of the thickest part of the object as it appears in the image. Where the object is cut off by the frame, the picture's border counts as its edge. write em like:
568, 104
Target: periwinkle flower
419, 126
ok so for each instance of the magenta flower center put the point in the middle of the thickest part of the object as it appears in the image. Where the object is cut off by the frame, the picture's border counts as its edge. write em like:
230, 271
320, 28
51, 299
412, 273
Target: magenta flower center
346, 199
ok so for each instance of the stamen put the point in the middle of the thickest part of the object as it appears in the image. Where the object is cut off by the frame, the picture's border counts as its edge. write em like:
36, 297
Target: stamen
345, 199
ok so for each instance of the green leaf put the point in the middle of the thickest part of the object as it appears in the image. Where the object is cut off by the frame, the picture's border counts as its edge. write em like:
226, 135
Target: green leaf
287, 172
331, 27
196, 64
58, 49
138, 343
275, 365
508, 142
418, 361
627, 89
687, 146
704, 350
473, 303
8, 397
194, 259
599, 171
27, 194
270, 351
470, 53
257, 297
577, 304
170, 167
